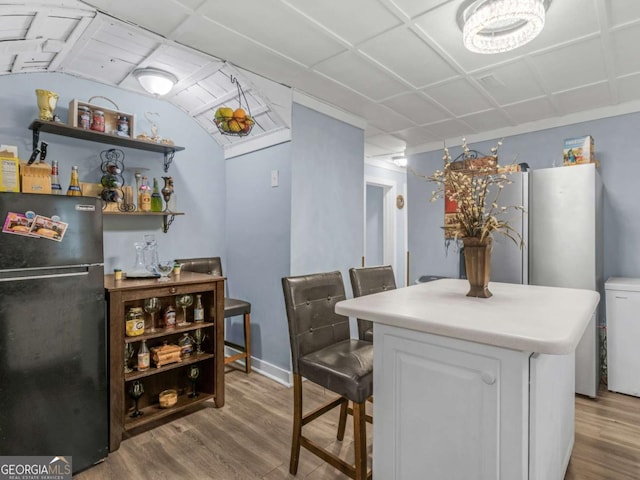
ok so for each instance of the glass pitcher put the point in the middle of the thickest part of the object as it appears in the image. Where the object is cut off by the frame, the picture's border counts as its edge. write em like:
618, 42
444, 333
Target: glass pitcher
139, 268
151, 254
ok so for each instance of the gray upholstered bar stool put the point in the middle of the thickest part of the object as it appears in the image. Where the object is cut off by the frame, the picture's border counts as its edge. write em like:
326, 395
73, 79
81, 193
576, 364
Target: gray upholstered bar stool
323, 353
368, 280
232, 306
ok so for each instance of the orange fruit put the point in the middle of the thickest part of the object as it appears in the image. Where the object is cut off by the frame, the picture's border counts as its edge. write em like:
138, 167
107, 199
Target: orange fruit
240, 114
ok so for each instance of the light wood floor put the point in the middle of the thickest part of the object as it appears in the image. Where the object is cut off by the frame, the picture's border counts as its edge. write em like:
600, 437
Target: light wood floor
249, 438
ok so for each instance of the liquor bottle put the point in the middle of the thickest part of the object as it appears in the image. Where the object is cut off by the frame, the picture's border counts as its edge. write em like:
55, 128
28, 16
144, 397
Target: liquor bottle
74, 184
198, 311
56, 189
144, 360
156, 199
145, 196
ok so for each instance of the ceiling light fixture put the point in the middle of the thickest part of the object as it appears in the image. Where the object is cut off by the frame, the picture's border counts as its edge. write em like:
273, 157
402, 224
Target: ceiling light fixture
496, 26
400, 161
154, 81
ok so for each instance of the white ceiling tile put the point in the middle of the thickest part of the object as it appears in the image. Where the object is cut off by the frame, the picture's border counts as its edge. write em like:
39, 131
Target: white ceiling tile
585, 98
623, 11
404, 53
417, 108
530, 110
189, 4
458, 97
510, 83
449, 129
372, 132
274, 25
384, 118
629, 88
160, 16
572, 66
411, 8
355, 72
625, 51
389, 142
14, 26
488, 120
351, 24
417, 135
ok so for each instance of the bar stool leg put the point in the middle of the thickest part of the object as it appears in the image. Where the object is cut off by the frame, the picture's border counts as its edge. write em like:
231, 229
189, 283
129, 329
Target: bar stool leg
342, 423
360, 440
247, 342
297, 424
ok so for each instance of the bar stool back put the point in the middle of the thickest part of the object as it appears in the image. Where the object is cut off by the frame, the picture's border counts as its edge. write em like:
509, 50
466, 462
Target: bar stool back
368, 280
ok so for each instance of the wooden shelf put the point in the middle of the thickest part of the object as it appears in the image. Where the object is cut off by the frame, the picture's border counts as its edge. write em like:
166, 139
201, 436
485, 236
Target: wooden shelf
153, 412
65, 130
163, 332
154, 370
141, 214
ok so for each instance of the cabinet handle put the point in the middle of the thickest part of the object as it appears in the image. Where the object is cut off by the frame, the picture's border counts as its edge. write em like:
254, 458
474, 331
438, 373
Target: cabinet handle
488, 378
173, 290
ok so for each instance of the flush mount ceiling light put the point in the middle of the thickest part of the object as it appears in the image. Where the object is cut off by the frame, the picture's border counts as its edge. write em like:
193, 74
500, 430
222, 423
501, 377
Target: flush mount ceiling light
495, 26
400, 161
154, 81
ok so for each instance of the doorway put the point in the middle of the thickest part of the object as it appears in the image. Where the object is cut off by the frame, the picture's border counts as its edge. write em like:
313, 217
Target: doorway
380, 230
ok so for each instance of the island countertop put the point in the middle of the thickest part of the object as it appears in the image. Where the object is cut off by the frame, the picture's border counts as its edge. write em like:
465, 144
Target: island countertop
531, 318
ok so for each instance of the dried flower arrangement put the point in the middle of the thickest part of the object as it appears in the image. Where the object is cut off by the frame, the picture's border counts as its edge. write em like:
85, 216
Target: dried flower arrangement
471, 189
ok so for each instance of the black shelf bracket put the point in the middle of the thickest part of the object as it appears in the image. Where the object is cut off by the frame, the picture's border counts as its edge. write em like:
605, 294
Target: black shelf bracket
168, 159
167, 220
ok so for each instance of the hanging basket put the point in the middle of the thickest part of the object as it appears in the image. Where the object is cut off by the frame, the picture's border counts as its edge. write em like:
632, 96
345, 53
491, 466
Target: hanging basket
238, 122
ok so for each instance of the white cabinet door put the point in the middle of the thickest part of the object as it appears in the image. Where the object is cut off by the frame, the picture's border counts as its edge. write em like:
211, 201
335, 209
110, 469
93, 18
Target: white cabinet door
623, 341
449, 409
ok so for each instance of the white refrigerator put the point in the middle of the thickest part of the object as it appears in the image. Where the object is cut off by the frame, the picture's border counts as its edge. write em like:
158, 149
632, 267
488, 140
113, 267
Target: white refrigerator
565, 247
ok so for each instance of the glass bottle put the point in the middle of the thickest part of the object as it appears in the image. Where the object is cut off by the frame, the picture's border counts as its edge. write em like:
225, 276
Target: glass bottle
74, 184
198, 311
145, 195
144, 360
186, 345
56, 189
156, 199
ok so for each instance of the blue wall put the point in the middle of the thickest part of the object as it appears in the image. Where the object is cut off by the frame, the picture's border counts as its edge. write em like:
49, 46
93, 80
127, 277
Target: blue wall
327, 194
258, 232
198, 171
374, 225
617, 148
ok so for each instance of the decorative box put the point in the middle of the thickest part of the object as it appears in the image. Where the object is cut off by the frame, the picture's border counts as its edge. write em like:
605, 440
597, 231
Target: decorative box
165, 355
115, 122
578, 150
9, 172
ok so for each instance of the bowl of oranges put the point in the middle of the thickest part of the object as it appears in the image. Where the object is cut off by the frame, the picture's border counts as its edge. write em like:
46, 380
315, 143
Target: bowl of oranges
233, 122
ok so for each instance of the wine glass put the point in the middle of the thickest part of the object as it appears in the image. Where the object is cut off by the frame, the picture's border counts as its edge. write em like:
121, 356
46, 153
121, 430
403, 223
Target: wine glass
135, 391
184, 301
152, 306
165, 267
128, 353
194, 373
198, 337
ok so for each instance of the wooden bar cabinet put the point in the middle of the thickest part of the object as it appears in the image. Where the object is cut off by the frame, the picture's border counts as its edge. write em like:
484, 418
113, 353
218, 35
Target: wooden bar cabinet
128, 293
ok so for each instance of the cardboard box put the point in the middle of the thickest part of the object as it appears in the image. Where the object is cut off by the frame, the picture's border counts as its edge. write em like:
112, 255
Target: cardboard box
9, 172
578, 150
35, 178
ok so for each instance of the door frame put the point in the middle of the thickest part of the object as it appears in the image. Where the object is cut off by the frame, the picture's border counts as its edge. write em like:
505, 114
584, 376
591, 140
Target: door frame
389, 226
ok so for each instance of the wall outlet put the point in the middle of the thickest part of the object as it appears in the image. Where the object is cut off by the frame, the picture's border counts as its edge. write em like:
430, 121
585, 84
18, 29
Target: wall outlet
274, 178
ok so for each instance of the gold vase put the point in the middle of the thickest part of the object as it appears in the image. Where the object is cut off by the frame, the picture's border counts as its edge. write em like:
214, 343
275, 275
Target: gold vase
477, 262
47, 101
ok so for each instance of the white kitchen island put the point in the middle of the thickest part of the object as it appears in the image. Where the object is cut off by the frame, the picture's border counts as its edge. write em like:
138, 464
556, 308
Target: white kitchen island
473, 388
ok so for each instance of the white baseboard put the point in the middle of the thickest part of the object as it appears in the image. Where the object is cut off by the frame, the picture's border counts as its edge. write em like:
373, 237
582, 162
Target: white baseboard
278, 374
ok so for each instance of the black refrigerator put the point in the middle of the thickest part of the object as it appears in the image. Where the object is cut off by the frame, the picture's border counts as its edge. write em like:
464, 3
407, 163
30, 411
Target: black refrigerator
53, 366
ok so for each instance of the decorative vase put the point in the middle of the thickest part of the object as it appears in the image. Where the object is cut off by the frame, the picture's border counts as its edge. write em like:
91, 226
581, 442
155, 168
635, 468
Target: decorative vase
47, 101
477, 262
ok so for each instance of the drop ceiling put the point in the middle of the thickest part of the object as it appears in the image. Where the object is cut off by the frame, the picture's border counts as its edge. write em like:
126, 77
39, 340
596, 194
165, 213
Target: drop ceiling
398, 64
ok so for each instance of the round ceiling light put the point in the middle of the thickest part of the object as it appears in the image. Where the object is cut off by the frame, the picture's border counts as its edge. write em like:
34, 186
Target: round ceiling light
154, 81
495, 26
